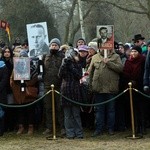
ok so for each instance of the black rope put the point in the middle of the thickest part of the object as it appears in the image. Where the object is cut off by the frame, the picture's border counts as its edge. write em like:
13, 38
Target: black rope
82, 104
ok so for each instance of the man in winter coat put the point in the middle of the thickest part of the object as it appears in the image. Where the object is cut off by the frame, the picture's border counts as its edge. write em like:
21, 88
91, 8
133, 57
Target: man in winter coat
104, 80
52, 62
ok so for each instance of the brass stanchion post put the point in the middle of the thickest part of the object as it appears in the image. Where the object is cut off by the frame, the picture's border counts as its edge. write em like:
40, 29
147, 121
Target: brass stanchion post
53, 115
132, 113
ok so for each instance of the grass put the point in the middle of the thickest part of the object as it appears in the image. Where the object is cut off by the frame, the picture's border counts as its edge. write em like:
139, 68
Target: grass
11, 141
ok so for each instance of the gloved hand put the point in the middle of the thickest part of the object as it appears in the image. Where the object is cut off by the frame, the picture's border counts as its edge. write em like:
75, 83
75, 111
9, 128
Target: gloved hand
40, 77
67, 60
146, 89
67, 63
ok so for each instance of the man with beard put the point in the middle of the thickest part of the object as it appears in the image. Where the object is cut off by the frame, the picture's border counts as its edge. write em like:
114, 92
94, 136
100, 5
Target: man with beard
52, 62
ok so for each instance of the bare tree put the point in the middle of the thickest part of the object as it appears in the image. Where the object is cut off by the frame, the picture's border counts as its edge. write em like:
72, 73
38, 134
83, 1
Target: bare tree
130, 17
134, 6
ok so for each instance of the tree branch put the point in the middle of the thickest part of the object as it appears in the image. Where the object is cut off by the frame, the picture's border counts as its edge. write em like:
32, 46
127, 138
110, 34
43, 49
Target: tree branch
69, 20
120, 7
142, 6
75, 30
126, 9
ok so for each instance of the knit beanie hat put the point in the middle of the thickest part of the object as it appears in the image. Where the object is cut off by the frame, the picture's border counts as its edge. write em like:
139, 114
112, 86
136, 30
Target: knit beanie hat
93, 45
137, 48
55, 40
83, 48
23, 53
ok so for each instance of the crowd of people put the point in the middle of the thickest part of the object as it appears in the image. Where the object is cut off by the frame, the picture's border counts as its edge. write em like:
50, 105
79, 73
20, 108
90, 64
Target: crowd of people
83, 74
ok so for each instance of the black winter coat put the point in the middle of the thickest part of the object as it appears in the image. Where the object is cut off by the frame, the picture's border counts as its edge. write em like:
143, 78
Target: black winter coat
52, 64
70, 73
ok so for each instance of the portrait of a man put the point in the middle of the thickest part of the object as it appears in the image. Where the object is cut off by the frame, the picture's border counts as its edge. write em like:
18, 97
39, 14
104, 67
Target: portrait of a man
21, 68
105, 37
38, 39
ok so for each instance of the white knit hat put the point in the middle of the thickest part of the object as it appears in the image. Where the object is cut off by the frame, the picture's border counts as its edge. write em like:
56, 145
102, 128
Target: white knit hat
93, 45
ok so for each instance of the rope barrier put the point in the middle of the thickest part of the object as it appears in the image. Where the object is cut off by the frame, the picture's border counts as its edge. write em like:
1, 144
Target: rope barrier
82, 104
25, 105
141, 93
78, 103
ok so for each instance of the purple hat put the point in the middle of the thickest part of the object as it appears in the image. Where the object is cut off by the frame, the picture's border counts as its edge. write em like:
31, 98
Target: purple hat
83, 48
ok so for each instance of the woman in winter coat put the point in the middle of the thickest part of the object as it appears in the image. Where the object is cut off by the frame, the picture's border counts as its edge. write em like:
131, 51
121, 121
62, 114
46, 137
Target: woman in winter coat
70, 73
133, 72
10, 113
29, 94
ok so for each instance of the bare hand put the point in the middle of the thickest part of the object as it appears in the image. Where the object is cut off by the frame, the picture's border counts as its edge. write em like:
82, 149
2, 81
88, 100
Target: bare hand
105, 60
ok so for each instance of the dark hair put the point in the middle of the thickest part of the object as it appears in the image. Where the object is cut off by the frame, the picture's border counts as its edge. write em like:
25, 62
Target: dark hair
81, 40
3, 51
103, 28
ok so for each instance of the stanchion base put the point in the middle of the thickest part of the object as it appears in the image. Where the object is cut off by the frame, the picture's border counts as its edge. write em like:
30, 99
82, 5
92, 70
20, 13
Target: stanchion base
134, 137
51, 138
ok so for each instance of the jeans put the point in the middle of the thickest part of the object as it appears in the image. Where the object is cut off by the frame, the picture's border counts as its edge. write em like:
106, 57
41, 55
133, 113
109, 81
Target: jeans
73, 123
105, 110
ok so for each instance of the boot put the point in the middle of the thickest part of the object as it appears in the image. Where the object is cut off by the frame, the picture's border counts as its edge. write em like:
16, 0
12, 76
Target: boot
30, 129
20, 130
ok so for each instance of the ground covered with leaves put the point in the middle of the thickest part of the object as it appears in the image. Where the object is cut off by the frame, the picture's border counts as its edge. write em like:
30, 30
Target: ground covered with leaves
11, 141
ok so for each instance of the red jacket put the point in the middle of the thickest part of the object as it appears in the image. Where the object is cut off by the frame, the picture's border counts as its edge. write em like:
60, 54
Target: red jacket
134, 70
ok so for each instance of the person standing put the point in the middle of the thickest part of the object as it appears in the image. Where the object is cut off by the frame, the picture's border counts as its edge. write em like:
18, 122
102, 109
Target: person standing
52, 62
104, 80
7, 57
70, 73
87, 113
133, 72
26, 115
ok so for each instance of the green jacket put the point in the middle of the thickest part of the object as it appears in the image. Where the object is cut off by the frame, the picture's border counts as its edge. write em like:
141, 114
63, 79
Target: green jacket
104, 77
